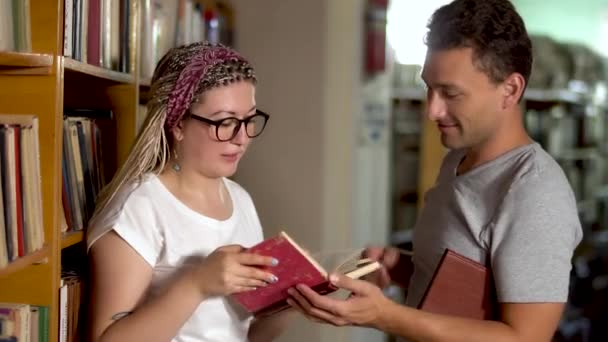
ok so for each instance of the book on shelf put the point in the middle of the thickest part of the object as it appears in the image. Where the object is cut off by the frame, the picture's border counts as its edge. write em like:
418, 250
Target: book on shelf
460, 287
71, 290
15, 26
99, 32
21, 228
297, 266
24, 323
165, 24
82, 165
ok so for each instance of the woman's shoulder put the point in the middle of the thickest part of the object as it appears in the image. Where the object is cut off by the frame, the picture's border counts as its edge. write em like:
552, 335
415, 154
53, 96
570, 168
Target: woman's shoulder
137, 194
237, 191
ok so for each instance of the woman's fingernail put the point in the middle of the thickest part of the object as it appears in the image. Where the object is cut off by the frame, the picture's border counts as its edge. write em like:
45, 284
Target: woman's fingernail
275, 261
274, 279
291, 291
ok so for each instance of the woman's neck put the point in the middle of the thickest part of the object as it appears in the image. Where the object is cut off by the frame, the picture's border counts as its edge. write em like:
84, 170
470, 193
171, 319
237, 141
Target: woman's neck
208, 196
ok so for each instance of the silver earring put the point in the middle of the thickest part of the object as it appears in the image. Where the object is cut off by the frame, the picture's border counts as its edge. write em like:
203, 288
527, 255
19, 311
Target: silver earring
176, 167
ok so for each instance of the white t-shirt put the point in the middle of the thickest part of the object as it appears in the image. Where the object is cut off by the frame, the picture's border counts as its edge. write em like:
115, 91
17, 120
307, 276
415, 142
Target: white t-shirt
165, 232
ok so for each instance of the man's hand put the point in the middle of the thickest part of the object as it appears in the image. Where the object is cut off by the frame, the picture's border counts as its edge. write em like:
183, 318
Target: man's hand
388, 257
364, 307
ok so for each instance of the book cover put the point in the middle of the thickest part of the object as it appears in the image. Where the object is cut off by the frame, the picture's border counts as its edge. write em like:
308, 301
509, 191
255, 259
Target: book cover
460, 287
296, 266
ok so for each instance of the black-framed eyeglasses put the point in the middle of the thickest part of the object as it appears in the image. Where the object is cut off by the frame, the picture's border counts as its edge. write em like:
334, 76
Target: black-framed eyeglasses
226, 129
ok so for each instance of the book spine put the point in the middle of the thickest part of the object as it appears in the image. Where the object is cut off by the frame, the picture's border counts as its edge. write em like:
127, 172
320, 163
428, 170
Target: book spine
123, 65
44, 324
10, 247
94, 33
22, 236
68, 27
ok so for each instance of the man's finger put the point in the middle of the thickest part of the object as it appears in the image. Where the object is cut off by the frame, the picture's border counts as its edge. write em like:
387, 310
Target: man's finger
324, 316
352, 285
374, 253
294, 304
321, 302
390, 258
300, 300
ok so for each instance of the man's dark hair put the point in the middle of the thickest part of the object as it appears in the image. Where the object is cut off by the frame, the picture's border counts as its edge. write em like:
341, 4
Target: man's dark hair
492, 28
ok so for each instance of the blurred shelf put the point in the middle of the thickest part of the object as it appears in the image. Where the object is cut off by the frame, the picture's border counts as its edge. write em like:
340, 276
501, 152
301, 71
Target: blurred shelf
554, 96
72, 66
23, 262
71, 238
533, 95
600, 237
21, 63
401, 236
145, 83
589, 153
409, 94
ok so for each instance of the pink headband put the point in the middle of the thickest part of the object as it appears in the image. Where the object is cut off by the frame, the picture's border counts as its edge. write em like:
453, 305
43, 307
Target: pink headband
191, 76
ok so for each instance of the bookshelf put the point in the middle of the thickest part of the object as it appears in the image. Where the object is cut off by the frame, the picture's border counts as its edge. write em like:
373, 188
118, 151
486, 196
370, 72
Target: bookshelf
35, 258
15, 63
44, 82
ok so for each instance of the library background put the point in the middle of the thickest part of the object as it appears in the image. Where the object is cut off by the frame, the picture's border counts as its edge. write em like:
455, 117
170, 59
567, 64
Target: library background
74, 76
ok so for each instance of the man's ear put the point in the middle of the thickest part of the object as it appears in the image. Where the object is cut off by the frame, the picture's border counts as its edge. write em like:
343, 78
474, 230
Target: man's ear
513, 90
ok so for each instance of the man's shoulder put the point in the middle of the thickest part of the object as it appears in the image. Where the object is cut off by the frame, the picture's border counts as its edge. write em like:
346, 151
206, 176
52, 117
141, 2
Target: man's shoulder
537, 170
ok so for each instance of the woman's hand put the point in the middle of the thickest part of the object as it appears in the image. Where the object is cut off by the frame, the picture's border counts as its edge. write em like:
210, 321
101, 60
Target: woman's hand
230, 270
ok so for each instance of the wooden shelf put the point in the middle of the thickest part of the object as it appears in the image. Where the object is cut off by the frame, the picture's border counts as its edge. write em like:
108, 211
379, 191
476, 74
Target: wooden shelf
71, 238
20, 63
79, 68
23, 262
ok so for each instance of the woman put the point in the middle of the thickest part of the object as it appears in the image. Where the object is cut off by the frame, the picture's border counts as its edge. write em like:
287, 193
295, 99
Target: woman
166, 239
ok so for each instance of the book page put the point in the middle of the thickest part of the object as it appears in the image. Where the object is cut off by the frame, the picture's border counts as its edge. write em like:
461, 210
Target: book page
347, 261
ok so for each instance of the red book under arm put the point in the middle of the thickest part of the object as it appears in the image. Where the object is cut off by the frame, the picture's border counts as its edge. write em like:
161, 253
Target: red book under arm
461, 287
295, 266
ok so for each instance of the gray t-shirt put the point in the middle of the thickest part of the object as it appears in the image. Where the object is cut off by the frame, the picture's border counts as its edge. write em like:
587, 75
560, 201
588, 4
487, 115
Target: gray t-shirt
518, 208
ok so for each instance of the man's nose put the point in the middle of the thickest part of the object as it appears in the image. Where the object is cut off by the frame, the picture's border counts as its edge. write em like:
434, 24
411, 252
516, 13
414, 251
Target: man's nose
436, 108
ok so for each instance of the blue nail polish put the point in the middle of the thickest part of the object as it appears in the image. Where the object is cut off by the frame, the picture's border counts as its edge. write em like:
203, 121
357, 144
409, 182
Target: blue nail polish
275, 262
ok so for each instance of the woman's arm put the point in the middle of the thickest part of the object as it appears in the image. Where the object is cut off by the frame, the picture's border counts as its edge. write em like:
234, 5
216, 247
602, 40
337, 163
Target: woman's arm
268, 328
120, 277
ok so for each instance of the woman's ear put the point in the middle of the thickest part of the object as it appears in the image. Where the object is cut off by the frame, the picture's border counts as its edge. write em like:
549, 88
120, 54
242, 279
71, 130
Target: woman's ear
178, 131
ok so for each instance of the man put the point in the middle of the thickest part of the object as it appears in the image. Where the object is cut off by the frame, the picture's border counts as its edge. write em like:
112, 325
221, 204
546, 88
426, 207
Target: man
499, 196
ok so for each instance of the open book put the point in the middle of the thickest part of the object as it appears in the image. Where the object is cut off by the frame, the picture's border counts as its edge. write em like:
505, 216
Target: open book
296, 266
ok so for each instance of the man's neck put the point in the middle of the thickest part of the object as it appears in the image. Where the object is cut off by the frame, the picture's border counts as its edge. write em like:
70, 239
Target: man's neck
504, 141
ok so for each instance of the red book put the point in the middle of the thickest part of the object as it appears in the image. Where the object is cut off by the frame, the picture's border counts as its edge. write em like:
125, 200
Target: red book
296, 266
461, 287
94, 33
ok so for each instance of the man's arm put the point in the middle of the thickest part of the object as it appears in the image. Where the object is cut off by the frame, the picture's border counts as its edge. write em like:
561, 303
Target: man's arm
367, 306
519, 322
